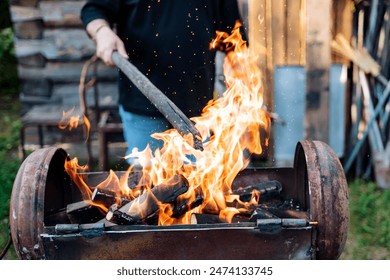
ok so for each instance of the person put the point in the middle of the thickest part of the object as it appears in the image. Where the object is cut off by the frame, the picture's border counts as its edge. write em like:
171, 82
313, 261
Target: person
168, 41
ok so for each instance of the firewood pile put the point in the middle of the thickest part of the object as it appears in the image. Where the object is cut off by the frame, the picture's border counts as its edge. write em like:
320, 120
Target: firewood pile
145, 208
368, 143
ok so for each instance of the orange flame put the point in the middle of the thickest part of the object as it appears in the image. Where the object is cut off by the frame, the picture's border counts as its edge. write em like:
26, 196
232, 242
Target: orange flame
230, 129
71, 121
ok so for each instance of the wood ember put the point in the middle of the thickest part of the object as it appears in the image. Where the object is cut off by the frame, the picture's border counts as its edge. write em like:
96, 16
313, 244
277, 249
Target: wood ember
145, 208
261, 213
107, 198
204, 219
120, 218
183, 206
266, 189
83, 212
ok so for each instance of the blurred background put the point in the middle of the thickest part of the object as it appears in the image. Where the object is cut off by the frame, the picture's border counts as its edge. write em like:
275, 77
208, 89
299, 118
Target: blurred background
43, 49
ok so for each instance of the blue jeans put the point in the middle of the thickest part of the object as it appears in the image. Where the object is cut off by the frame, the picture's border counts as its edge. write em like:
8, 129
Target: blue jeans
138, 128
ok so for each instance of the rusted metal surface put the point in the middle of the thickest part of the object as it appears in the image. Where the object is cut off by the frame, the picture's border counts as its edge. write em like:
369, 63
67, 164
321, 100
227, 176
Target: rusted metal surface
316, 181
326, 195
180, 242
28, 198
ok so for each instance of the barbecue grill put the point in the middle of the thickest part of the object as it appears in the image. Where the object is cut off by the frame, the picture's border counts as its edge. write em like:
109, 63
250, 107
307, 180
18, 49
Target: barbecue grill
41, 229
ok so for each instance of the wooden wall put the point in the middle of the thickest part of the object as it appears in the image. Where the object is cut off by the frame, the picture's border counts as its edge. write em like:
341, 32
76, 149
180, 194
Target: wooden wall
299, 32
51, 47
51, 44
277, 30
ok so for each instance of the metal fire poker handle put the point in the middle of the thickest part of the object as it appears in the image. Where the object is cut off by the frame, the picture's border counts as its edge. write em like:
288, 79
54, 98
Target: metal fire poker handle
169, 110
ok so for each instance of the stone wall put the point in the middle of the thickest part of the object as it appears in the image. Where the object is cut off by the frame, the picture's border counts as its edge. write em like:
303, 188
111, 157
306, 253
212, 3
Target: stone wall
51, 47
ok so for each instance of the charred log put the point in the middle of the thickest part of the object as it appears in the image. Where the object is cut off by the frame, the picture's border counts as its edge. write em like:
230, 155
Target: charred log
289, 209
183, 206
114, 215
267, 190
83, 212
107, 198
262, 213
145, 208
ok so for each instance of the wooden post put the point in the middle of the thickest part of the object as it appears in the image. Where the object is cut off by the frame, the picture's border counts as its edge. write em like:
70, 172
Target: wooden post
258, 35
278, 27
260, 43
318, 36
342, 23
295, 37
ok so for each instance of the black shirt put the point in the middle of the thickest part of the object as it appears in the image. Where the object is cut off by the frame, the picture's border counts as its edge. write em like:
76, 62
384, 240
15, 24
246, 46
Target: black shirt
167, 40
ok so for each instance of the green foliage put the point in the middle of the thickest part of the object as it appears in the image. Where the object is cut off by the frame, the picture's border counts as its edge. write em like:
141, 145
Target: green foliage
9, 161
9, 81
10, 140
9, 120
7, 175
370, 221
7, 43
9, 166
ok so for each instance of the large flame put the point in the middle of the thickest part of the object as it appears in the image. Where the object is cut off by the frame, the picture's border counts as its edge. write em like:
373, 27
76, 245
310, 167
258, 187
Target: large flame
230, 129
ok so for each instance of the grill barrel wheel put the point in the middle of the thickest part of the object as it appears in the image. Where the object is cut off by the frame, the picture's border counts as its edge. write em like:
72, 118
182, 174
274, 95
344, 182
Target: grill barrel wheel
38, 186
319, 169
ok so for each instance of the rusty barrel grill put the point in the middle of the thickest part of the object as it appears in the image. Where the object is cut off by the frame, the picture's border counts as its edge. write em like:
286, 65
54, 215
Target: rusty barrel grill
316, 181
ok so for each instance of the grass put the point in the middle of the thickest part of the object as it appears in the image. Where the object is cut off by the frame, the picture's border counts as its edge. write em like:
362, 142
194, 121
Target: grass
369, 234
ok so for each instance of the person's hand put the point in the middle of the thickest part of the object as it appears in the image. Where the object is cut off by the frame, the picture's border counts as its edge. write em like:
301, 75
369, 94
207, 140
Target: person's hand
106, 41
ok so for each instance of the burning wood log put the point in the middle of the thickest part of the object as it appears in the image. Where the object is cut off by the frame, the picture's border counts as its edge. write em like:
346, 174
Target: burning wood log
289, 209
261, 213
184, 206
266, 190
146, 207
114, 215
204, 219
83, 212
107, 198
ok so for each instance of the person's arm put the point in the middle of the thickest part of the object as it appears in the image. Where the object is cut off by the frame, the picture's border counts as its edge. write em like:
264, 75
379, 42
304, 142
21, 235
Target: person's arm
98, 16
106, 40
